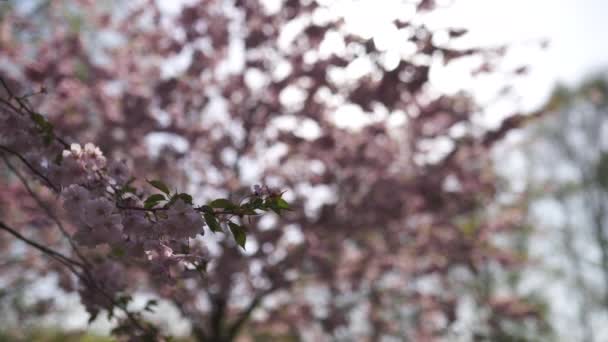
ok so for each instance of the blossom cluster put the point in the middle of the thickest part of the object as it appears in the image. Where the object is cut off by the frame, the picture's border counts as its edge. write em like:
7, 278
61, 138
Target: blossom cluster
110, 279
93, 203
79, 165
106, 210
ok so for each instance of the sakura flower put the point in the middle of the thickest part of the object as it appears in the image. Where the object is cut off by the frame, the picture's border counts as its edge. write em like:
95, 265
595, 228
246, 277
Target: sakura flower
75, 152
94, 157
264, 190
74, 198
158, 251
100, 211
108, 233
137, 226
118, 171
183, 221
110, 277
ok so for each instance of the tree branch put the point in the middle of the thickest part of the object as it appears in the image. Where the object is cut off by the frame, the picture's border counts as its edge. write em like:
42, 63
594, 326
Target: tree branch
46, 209
238, 323
56, 255
49, 183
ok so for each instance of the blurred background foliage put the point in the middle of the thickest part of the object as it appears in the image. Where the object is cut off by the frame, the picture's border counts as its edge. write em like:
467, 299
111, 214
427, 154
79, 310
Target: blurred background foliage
556, 165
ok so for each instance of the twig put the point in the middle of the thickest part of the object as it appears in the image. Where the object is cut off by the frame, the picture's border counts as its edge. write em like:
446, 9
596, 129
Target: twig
46, 209
70, 263
32, 168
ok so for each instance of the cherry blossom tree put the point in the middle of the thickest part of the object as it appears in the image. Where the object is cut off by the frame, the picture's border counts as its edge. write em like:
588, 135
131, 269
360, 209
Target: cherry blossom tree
394, 221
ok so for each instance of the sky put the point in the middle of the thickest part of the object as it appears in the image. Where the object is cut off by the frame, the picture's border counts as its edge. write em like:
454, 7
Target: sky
574, 29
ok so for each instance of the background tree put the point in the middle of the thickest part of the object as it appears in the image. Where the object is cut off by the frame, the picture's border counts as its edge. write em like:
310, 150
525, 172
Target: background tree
564, 156
391, 226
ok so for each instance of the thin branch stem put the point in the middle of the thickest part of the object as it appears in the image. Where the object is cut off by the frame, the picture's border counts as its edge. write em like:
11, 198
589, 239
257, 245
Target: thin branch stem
70, 263
58, 256
32, 168
23, 107
46, 209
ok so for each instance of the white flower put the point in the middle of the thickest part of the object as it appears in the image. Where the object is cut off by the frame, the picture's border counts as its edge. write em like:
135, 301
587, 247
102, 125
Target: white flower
74, 199
111, 277
94, 157
73, 171
105, 233
158, 251
182, 222
85, 237
100, 211
119, 171
92, 150
75, 152
75, 196
162, 261
137, 226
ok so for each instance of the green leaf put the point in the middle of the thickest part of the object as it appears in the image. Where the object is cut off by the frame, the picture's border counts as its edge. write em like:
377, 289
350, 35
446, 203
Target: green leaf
207, 209
257, 203
39, 119
212, 222
45, 127
222, 203
48, 137
248, 211
153, 200
185, 197
281, 203
127, 188
156, 198
159, 185
239, 233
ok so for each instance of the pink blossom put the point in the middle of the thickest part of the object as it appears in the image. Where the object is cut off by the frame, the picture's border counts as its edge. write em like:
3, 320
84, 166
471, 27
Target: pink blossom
182, 221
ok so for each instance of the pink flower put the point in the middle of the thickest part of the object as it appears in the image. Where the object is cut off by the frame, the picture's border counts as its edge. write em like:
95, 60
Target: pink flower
118, 171
182, 221
94, 157
100, 211
74, 197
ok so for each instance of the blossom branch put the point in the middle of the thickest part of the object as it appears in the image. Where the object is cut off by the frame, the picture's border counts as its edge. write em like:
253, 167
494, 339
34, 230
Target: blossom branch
68, 262
46, 209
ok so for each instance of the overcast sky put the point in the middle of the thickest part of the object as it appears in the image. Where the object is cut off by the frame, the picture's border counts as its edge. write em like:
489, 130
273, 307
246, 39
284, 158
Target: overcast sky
575, 28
